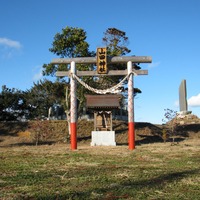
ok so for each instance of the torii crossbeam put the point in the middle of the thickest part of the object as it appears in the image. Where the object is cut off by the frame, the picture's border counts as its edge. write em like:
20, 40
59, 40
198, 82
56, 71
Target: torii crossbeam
93, 60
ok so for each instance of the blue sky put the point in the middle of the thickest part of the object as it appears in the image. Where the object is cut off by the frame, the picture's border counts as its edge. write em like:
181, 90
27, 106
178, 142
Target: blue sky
167, 30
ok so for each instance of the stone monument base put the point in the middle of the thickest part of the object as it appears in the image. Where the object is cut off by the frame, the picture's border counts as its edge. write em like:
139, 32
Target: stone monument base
181, 113
103, 138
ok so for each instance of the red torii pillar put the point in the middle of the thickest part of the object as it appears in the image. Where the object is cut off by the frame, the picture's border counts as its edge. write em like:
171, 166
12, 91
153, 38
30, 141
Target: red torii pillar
73, 108
131, 124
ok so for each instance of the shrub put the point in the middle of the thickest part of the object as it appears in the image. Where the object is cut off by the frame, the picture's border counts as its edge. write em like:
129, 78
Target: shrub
40, 131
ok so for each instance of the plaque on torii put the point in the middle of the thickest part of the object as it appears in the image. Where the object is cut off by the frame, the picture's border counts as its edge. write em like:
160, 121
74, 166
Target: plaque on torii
102, 70
102, 61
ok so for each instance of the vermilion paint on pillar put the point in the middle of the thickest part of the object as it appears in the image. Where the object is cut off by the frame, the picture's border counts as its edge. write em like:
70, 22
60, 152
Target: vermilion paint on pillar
73, 128
131, 135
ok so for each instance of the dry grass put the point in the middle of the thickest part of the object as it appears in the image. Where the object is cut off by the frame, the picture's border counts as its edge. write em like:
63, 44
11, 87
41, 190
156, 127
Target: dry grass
151, 171
154, 170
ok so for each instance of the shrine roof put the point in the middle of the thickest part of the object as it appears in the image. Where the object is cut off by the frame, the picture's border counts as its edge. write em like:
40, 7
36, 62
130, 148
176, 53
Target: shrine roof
103, 101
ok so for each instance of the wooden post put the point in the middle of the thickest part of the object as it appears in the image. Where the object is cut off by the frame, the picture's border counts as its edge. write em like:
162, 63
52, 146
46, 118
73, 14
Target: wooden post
95, 121
73, 109
111, 122
131, 125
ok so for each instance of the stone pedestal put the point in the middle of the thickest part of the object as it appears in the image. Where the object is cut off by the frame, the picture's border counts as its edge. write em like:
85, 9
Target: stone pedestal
103, 138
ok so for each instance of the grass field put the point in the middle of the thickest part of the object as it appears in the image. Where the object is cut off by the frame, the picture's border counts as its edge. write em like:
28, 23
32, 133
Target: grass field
151, 171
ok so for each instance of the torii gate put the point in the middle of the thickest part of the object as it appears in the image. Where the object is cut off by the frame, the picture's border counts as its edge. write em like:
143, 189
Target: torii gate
102, 72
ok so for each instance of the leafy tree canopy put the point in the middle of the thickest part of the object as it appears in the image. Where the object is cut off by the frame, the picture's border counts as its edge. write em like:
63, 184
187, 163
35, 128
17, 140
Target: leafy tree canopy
12, 104
116, 42
43, 95
71, 42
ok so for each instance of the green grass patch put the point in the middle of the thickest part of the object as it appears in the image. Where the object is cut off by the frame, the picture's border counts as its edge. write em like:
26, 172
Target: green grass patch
157, 171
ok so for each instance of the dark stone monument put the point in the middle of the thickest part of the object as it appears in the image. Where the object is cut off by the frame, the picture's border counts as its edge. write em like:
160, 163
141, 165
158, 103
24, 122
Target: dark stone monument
183, 98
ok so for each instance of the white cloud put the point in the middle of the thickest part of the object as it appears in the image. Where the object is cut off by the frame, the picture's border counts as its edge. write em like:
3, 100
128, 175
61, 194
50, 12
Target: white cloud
10, 43
153, 65
38, 73
194, 101
176, 103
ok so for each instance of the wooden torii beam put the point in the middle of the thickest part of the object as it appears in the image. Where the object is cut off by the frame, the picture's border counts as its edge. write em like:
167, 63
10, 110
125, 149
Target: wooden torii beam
94, 73
93, 60
110, 60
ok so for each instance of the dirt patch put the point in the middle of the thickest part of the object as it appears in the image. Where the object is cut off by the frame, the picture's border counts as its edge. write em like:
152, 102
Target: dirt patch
16, 133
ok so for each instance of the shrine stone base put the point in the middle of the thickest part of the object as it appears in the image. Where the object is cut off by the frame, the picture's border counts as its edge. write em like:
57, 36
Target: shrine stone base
103, 138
